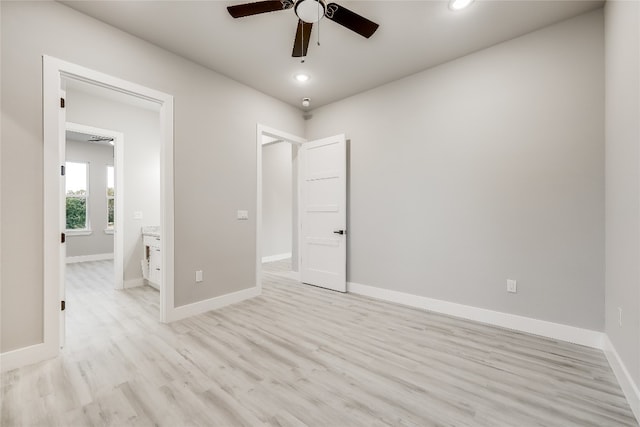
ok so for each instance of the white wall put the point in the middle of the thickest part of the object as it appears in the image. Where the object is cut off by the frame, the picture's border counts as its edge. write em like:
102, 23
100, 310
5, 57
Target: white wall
277, 201
98, 157
141, 130
622, 33
215, 156
485, 168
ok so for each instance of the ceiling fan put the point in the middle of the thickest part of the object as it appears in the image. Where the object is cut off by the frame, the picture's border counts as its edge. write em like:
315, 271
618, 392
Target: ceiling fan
308, 12
96, 138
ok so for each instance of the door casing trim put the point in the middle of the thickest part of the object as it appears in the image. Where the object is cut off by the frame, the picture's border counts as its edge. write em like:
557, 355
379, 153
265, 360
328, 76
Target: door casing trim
54, 71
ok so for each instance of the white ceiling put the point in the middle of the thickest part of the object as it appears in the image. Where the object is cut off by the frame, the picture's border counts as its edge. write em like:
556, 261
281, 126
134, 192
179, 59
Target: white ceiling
256, 50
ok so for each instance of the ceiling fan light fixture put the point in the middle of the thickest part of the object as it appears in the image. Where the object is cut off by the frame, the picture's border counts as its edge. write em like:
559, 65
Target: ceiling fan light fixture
459, 4
301, 77
310, 11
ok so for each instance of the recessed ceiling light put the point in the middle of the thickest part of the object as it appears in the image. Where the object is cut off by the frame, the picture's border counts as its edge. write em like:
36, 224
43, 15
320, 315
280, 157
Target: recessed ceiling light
459, 4
301, 77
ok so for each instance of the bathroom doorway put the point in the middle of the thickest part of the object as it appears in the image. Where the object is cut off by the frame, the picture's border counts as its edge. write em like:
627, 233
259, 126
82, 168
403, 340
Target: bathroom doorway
60, 79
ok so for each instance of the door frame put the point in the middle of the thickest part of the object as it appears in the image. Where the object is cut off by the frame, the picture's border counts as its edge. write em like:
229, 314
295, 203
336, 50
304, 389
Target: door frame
54, 71
262, 130
118, 162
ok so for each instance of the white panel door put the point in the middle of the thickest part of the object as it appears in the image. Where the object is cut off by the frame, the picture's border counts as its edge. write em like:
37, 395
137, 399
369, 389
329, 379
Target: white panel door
324, 213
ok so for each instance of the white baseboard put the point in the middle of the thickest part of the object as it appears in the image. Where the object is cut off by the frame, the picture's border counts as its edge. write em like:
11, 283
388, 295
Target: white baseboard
26, 356
629, 387
278, 257
510, 321
133, 283
200, 307
85, 258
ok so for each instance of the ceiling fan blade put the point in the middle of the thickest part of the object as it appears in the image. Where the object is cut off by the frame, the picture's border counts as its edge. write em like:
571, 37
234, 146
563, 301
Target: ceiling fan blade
248, 9
303, 35
351, 20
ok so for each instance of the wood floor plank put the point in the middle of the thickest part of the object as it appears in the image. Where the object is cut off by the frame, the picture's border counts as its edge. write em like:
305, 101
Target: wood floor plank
301, 356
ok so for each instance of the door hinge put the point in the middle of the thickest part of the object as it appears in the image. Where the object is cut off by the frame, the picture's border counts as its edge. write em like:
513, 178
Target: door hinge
63, 237
62, 305
62, 170
61, 102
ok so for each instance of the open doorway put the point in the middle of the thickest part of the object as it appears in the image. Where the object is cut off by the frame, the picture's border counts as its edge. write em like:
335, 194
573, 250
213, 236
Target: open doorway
277, 237
60, 78
319, 209
106, 226
279, 208
94, 190
277, 203
318, 206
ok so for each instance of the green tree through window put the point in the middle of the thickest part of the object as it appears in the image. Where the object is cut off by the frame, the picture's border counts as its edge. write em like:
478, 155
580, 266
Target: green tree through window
76, 213
77, 195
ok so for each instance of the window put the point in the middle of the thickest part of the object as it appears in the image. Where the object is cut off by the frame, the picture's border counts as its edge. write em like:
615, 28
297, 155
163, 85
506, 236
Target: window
77, 194
111, 192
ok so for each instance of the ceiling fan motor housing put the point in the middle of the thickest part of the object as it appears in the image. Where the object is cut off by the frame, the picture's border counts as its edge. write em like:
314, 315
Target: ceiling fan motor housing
310, 11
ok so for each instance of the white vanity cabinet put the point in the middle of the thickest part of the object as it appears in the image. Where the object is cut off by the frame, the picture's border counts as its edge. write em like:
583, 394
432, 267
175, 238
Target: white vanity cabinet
152, 261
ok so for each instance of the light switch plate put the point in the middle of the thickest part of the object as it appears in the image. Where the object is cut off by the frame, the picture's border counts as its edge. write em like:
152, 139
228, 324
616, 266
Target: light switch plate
243, 215
512, 286
199, 275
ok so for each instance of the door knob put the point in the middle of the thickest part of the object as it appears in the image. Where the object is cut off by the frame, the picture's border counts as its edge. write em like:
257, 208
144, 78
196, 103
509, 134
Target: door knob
339, 232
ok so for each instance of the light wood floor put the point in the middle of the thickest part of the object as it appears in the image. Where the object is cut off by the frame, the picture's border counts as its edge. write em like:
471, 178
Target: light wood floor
300, 355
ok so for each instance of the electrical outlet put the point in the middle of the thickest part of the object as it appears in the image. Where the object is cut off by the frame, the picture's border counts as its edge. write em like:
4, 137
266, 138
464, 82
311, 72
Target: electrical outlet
137, 215
512, 286
199, 276
242, 215
620, 316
